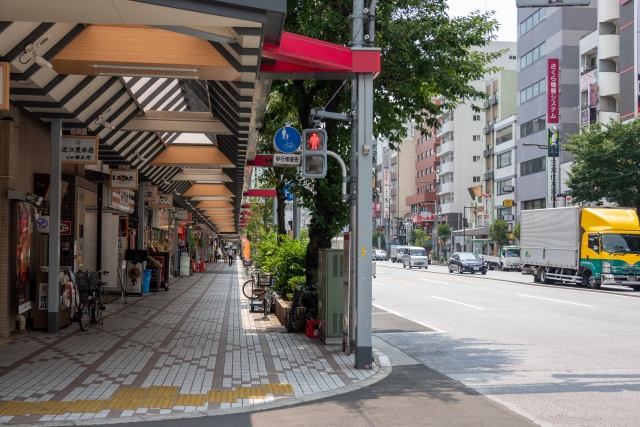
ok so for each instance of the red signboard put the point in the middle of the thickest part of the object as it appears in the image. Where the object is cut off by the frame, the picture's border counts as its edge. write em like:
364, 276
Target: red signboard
553, 90
422, 218
65, 228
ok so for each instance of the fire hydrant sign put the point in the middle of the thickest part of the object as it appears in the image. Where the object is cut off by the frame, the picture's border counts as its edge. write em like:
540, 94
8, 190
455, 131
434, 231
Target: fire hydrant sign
287, 160
79, 150
124, 179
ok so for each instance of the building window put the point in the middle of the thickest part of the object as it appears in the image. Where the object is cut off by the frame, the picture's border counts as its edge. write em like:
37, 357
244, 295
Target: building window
536, 89
533, 166
476, 138
512, 57
476, 158
501, 212
532, 56
534, 204
504, 159
476, 117
501, 184
532, 126
532, 22
476, 179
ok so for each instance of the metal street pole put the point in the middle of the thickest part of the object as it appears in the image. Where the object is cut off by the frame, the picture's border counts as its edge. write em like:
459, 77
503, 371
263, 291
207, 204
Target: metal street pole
55, 198
554, 152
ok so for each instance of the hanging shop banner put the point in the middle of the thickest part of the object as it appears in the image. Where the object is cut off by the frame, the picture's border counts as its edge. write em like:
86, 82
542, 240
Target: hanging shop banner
79, 150
123, 200
150, 192
160, 218
553, 90
182, 214
124, 179
4, 85
23, 256
164, 201
385, 194
486, 207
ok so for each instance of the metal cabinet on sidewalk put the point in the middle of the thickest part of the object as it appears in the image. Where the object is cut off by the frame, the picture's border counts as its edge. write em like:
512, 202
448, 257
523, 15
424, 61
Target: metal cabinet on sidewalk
331, 262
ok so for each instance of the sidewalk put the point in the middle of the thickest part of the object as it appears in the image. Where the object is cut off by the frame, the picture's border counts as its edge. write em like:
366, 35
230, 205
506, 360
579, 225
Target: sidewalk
195, 349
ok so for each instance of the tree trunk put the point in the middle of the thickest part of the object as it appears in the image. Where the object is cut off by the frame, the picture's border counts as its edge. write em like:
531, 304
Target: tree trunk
316, 242
281, 224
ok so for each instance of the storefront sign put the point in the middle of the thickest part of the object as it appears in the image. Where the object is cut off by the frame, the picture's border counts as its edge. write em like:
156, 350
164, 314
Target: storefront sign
4, 85
124, 179
123, 200
486, 208
553, 90
150, 192
160, 218
385, 193
65, 228
182, 214
79, 150
164, 201
287, 160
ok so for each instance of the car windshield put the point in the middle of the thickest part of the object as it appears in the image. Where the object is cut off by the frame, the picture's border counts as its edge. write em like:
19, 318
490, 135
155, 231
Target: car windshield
470, 257
512, 253
418, 252
621, 243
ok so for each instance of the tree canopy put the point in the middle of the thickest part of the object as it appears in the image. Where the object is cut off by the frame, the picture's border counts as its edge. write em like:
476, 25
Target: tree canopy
499, 231
424, 53
606, 164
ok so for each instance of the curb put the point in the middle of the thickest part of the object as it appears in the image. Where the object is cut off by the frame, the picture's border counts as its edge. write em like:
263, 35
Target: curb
542, 285
384, 370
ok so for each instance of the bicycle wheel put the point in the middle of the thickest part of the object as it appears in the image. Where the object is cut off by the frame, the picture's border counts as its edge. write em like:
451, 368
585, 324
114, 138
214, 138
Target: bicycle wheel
97, 308
247, 290
84, 312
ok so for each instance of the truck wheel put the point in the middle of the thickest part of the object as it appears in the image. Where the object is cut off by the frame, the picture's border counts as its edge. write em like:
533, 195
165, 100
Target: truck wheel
544, 278
636, 288
502, 267
589, 281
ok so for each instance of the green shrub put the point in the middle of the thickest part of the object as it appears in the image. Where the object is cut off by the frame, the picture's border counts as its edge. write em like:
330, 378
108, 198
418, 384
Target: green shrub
310, 299
290, 288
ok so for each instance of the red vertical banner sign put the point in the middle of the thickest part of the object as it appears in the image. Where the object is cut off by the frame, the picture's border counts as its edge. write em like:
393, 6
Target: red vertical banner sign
553, 90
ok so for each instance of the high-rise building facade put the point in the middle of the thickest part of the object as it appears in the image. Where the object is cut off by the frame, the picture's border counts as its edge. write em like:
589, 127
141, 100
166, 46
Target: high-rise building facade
548, 88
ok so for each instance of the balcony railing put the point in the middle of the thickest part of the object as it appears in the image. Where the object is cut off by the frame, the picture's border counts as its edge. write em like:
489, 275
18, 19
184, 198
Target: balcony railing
487, 153
493, 100
487, 176
504, 138
485, 104
488, 129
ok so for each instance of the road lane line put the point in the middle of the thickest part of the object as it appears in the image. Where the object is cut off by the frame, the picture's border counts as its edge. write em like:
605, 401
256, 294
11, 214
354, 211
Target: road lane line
555, 300
458, 302
434, 281
408, 318
378, 283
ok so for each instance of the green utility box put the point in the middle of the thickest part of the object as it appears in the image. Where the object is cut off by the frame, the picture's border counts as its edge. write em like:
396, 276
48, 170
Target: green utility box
331, 262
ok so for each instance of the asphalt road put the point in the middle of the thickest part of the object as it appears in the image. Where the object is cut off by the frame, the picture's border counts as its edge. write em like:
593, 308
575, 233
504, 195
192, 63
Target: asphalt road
558, 355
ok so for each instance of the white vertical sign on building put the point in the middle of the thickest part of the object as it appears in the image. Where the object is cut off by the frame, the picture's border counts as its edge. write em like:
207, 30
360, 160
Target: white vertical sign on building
486, 208
385, 193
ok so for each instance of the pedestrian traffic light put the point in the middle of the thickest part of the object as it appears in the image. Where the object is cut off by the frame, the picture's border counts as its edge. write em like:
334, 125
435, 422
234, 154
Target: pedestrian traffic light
314, 153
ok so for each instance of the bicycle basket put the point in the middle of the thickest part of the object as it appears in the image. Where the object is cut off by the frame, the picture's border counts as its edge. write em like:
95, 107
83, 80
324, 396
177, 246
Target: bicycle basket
87, 281
266, 279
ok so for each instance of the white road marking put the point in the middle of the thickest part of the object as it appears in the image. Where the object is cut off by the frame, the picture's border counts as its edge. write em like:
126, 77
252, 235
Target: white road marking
434, 281
378, 283
405, 317
382, 313
457, 302
555, 300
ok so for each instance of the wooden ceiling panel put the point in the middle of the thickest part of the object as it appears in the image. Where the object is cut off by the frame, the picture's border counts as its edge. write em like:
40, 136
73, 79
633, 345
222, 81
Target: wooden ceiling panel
214, 204
208, 190
191, 155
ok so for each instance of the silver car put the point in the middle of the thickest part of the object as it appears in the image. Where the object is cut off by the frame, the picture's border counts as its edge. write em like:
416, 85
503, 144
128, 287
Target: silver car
415, 256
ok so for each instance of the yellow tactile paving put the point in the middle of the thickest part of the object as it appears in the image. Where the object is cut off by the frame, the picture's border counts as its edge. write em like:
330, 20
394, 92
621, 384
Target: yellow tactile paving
16, 408
50, 408
123, 404
162, 397
190, 400
87, 405
251, 393
278, 388
131, 392
224, 396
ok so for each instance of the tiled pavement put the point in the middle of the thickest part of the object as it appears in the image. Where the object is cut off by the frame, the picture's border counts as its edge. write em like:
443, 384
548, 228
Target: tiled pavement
194, 348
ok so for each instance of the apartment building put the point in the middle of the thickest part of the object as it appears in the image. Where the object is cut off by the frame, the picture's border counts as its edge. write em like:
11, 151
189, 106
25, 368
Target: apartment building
402, 172
500, 154
548, 89
460, 153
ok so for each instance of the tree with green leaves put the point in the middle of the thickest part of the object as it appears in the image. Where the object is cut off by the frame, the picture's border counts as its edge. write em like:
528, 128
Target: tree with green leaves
419, 238
606, 164
383, 239
444, 233
499, 231
259, 222
424, 53
516, 231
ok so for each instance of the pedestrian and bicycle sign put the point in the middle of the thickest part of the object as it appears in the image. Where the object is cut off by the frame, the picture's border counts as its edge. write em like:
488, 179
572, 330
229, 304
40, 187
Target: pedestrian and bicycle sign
287, 140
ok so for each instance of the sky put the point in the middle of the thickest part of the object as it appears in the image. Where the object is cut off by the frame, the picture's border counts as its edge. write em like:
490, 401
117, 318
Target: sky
505, 14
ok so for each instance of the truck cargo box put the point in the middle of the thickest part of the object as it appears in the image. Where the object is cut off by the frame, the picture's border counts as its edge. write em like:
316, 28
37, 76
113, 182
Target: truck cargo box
551, 237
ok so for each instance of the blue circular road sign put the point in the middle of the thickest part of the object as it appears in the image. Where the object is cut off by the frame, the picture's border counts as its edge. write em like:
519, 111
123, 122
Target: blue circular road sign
287, 140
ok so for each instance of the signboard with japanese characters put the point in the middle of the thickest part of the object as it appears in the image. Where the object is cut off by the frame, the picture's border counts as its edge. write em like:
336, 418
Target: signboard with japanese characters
79, 150
486, 208
182, 214
164, 201
123, 200
5, 71
385, 194
150, 192
124, 179
287, 160
553, 90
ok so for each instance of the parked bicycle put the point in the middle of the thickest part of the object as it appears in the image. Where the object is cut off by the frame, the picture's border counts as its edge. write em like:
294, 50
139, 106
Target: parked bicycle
92, 297
258, 290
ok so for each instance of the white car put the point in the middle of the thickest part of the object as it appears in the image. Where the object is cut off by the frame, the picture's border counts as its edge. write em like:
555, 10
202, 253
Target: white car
379, 255
415, 256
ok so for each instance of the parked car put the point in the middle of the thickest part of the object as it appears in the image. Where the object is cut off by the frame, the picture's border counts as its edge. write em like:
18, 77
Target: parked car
379, 255
415, 256
467, 261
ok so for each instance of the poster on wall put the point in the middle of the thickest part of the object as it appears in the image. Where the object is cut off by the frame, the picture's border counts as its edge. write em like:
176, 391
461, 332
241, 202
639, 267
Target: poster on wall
23, 255
123, 200
150, 192
124, 179
5, 71
164, 201
79, 150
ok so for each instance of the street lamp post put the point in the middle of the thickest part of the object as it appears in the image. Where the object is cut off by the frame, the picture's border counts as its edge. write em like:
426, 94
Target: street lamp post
554, 153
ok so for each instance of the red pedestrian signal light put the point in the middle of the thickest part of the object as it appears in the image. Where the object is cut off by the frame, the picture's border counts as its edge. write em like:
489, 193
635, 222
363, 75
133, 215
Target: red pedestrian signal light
314, 153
